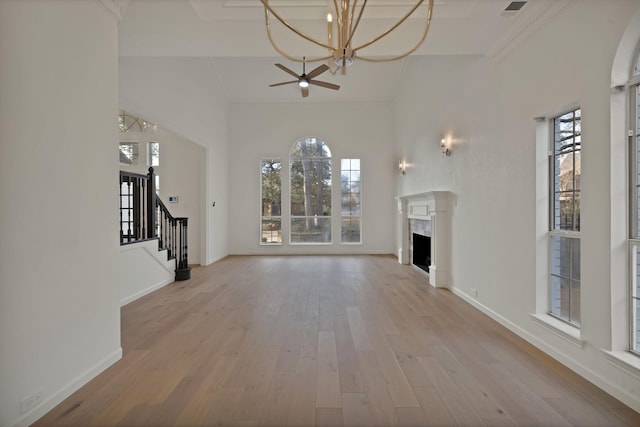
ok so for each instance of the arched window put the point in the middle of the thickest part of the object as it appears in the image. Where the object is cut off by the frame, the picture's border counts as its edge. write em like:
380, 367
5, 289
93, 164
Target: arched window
310, 193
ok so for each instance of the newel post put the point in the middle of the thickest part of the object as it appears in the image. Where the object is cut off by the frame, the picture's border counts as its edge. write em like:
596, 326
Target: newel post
183, 271
151, 205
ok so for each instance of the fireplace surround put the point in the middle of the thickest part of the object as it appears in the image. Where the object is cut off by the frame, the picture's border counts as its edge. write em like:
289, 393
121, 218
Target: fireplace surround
427, 214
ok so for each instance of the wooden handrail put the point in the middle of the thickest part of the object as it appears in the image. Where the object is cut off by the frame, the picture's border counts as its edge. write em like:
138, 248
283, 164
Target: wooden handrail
143, 216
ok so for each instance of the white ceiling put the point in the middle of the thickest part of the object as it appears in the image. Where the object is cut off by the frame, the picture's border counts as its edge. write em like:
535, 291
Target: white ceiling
232, 35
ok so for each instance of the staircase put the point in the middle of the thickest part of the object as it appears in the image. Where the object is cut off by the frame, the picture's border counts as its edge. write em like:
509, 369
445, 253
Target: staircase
144, 217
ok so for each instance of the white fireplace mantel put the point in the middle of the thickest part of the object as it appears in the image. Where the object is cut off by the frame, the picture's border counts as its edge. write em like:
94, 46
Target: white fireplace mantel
435, 206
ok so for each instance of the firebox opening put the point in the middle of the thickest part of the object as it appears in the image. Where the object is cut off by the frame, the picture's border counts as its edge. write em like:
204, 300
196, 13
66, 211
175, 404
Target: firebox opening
421, 251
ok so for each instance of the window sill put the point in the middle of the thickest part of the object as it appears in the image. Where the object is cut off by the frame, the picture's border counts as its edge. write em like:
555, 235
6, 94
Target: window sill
310, 243
569, 333
624, 361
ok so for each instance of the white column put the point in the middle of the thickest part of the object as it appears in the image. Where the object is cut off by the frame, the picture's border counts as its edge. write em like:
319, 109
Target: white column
440, 269
403, 231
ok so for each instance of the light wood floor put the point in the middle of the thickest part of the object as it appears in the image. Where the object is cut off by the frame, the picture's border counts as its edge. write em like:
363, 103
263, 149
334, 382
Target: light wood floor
340, 340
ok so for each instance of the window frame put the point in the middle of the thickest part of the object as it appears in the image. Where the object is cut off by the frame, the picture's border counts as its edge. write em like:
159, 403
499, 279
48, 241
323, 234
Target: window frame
326, 217
553, 232
262, 217
134, 148
150, 155
359, 217
634, 215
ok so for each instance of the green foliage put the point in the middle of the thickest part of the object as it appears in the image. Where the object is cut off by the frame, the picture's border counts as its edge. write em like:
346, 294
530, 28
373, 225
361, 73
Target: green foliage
310, 179
271, 187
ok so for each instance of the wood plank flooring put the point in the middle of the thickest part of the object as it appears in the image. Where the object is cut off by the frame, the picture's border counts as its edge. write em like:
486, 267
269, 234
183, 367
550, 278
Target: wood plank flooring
326, 341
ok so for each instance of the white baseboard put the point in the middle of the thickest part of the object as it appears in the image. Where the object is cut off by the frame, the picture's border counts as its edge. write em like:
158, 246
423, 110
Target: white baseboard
66, 391
214, 259
630, 399
140, 294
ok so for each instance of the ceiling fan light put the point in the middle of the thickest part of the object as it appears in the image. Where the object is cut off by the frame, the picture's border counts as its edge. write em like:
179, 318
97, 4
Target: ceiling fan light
303, 82
339, 62
343, 57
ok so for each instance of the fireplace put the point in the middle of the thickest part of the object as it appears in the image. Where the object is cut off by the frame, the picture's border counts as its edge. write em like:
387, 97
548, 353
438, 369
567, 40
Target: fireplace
421, 251
425, 234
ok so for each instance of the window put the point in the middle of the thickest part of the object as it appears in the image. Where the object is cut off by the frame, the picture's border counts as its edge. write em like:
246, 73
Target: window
564, 236
310, 197
271, 205
634, 227
350, 200
129, 153
153, 153
127, 212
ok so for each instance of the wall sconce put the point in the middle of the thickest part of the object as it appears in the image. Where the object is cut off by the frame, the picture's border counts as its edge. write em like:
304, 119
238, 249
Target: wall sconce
402, 167
445, 149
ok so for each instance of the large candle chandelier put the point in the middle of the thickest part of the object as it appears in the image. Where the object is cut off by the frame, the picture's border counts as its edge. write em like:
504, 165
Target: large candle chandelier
341, 27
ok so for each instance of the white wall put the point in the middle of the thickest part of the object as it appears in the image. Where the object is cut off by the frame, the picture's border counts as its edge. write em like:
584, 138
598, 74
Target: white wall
185, 96
142, 270
59, 296
351, 131
490, 106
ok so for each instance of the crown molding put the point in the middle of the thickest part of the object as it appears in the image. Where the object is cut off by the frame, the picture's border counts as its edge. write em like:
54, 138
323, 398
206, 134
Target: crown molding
530, 22
115, 8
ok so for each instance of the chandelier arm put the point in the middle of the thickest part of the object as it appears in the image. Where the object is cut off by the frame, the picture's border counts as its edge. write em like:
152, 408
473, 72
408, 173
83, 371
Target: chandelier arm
353, 30
268, 9
393, 58
345, 22
294, 59
336, 10
353, 8
404, 18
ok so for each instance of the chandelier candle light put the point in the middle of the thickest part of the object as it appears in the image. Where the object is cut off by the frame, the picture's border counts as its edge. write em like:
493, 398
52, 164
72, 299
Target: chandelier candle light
346, 16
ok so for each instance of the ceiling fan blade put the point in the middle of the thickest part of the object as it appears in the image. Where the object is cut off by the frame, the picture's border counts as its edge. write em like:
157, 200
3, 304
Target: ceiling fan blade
283, 83
317, 71
288, 71
324, 84
305, 92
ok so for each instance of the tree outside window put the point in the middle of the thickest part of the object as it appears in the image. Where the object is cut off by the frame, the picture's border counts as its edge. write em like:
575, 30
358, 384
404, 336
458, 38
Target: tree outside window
564, 236
271, 209
310, 191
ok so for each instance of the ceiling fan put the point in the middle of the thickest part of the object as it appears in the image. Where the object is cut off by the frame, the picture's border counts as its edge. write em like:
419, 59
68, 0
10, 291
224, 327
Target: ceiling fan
304, 79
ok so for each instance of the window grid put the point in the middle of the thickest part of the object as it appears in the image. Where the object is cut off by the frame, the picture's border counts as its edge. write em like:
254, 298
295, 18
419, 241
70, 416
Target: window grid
566, 171
153, 154
129, 153
634, 346
564, 291
564, 235
350, 193
271, 202
634, 226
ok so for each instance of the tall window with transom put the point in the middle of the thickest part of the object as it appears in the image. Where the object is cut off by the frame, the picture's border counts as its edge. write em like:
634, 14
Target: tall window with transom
564, 233
310, 192
634, 203
350, 201
271, 202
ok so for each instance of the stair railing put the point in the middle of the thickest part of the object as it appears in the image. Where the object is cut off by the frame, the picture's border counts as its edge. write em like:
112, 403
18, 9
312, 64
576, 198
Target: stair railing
143, 217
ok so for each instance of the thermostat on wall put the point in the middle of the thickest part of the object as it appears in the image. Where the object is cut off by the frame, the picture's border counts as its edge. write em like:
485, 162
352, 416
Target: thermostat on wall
173, 199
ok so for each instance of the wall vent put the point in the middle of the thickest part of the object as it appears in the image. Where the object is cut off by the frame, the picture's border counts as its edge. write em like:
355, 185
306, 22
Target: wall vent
513, 8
